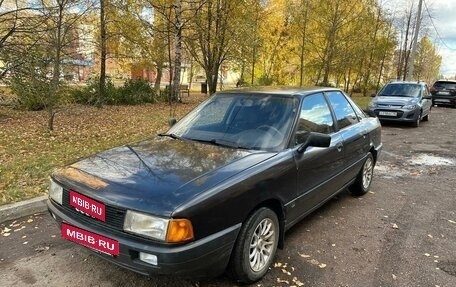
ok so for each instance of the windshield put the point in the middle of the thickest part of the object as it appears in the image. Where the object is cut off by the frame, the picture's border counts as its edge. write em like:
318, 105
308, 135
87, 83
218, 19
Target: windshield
401, 90
445, 85
250, 121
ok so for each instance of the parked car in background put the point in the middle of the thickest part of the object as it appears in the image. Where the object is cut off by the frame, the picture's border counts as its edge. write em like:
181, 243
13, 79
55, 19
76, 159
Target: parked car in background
221, 187
401, 101
444, 93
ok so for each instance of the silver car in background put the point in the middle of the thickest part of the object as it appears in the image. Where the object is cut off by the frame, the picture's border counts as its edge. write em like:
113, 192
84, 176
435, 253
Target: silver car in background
401, 101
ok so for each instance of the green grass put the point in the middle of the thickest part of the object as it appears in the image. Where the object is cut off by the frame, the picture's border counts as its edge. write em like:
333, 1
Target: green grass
29, 153
361, 101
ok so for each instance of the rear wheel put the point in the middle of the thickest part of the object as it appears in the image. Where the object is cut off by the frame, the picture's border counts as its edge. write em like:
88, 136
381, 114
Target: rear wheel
255, 247
364, 179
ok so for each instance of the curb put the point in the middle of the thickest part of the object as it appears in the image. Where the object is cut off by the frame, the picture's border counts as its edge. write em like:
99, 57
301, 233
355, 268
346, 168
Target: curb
23, 208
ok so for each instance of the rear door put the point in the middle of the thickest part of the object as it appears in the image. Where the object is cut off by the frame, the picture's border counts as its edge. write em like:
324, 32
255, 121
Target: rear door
354, 135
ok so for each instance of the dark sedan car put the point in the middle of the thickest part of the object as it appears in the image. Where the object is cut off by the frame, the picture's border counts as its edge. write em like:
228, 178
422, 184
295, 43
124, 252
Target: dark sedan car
444, 93
221, 187
402, 101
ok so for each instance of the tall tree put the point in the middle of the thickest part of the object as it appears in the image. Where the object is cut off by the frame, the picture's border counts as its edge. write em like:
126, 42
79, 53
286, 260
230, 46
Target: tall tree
103, 53
427, 61
212, 34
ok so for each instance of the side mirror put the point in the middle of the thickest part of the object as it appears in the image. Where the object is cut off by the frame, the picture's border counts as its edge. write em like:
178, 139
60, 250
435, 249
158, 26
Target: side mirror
172, 122
316, 140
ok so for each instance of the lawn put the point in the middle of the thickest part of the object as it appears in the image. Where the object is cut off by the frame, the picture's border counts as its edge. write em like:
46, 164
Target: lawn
29, 153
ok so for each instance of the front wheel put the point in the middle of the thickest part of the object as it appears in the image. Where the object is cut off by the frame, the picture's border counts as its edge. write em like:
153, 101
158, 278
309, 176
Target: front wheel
416, 123
364, 179
255, 247
426, 117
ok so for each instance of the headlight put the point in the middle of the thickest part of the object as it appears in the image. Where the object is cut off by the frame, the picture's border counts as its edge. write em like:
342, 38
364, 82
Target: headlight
372, 105
169, 230
410, 107
55, 192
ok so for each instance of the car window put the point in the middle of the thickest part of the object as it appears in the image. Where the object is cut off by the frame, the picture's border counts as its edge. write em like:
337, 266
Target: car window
425, 91
359, 112
401, 90
315, 116
249, 121
214, 112
345, 115
445, 85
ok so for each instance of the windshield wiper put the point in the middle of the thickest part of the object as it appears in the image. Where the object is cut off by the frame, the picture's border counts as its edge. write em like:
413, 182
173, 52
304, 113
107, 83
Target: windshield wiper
222, 143
173, 136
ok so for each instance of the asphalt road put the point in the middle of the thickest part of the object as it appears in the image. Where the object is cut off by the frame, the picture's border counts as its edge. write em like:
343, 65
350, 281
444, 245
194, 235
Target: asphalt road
403, 233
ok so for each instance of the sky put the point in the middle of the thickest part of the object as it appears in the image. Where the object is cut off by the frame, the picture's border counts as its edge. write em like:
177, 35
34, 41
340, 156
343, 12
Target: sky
444, 18
439, 23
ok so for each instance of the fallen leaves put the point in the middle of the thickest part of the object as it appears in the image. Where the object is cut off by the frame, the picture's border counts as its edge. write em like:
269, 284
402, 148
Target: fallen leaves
288, 271
79, 131
394, 226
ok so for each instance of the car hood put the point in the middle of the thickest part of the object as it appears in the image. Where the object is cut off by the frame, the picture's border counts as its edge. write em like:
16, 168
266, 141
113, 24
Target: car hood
156, 176
391, 100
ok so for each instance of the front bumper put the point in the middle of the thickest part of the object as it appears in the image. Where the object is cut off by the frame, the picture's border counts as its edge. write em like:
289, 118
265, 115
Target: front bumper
206, 257
401, 115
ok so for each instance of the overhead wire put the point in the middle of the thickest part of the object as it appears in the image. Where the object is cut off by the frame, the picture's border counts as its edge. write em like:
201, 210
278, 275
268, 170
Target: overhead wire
435, 29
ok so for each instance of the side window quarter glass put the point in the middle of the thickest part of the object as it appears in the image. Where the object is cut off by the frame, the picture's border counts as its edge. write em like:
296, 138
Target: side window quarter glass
345, 115
315, 116
359, 112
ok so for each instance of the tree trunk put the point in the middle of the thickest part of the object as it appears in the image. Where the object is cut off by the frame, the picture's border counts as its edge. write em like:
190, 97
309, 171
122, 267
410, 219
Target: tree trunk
54, 88
303, 42
177, 49
159, 77
371, 56
103, 47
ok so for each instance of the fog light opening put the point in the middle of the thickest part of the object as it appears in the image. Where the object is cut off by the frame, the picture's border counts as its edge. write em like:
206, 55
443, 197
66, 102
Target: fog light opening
148, 258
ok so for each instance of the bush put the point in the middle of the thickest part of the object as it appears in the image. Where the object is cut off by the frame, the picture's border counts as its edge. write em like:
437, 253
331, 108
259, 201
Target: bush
32, 93
264, 80
89, 95
135, 91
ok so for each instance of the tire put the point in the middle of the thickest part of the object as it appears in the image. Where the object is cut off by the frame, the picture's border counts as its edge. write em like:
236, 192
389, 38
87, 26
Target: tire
426, 117
416, 123
260, 230
364, 179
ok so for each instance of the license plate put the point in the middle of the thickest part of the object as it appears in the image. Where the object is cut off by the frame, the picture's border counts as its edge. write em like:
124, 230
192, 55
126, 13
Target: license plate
88, 206
391, 114
444, 93
89, 239
442, 100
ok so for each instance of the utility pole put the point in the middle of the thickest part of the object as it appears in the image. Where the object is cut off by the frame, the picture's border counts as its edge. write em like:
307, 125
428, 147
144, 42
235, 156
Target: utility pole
411, 64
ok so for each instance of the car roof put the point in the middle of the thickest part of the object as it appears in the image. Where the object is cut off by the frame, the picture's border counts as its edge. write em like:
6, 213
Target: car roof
281, 90
445, 81
407, 82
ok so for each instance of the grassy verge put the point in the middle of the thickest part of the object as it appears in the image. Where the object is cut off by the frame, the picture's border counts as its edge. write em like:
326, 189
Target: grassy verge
361, 101
29, 153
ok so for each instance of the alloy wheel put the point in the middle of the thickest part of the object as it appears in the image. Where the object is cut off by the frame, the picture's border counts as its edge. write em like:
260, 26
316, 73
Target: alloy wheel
368, 170
262, 245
